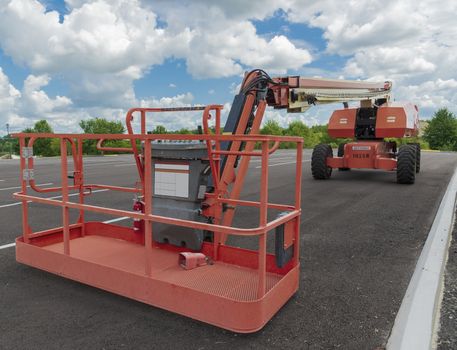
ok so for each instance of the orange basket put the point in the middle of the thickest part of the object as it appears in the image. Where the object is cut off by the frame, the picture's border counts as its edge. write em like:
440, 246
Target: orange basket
240, 290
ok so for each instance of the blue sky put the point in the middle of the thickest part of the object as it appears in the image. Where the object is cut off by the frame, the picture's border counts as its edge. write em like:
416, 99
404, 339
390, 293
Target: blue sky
74, 59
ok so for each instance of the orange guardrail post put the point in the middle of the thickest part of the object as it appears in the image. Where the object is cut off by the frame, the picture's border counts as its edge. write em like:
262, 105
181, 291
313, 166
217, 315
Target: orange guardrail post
65, 209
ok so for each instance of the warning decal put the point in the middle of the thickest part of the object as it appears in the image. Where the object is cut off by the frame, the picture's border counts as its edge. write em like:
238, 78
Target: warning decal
171, 180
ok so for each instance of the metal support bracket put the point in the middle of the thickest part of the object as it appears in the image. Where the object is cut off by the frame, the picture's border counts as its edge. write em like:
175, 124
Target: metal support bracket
28, 175
27, 152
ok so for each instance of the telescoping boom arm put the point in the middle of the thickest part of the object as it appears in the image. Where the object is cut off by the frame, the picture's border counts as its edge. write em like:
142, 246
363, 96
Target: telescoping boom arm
296, 94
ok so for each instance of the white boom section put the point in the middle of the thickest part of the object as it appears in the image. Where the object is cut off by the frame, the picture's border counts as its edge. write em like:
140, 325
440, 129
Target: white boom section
324, 91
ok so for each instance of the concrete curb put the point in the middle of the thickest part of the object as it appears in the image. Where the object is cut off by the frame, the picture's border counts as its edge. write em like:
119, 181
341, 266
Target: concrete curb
416, 319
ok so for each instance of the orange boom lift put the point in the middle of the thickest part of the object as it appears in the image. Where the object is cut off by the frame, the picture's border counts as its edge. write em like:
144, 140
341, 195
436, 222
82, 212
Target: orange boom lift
175, 256
377, 118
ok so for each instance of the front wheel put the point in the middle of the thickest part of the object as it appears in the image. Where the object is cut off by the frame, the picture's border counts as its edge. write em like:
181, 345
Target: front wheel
319, 167
406, 164
418, 156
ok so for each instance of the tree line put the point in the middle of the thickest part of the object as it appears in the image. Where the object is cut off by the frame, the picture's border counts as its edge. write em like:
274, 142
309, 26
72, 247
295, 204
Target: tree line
439, 134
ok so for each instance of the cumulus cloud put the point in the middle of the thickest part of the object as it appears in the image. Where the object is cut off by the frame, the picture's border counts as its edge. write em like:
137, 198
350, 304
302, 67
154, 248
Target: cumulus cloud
8, 94
224, 40
102, 47
21, 109
413, 43
9, 97
431, 95
36, 102
121, 38
99, 36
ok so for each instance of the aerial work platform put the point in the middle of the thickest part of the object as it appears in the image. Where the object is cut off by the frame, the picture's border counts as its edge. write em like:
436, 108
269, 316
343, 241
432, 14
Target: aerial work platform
237, 289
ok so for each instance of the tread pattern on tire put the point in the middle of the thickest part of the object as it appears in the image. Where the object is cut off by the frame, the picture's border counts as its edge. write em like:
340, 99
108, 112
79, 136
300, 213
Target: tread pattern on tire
406, 164
341, 154
418, 155
319, 167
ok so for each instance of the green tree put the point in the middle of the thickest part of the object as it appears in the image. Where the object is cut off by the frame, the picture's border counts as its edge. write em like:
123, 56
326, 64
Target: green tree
441, 131
184, 131
9, 145
42, 146
298, 128
159, 129
101, 126
271, 127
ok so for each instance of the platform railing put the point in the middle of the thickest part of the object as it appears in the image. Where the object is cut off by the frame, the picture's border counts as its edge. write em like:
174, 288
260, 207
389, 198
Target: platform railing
264, 226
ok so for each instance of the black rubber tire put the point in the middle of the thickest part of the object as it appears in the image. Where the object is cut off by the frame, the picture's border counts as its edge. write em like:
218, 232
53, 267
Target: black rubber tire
341, 154
418, 156
406, 164
319, 167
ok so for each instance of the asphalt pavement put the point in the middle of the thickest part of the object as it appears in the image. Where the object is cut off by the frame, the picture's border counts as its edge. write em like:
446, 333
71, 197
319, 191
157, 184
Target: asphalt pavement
361, 235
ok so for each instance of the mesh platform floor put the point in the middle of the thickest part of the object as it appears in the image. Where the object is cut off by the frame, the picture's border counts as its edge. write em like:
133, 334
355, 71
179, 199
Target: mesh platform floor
224, 280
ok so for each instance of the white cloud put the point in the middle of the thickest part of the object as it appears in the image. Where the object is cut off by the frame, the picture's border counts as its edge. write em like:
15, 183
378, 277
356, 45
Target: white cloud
182, 100
102, 47
172, 120
234, 88
99, 50
413, 43
35, 102
20, 109
9, 97
242, 47
23, 108
362, 23
8, 94
432, 95
223, 40
99, 36
120, 40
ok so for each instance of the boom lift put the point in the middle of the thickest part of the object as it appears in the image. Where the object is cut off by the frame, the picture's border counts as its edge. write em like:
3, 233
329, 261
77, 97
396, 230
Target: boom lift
377, 118
175, 256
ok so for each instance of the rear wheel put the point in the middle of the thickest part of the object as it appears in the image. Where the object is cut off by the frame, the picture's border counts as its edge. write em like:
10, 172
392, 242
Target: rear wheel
341, 155
406, 164
319, 167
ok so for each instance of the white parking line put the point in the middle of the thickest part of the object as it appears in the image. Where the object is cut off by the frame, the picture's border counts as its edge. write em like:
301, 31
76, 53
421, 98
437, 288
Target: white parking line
18, 187
100, 163
128, 164
10, 205
116, 220
276, 164
271, 159
55, 197
9, 245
